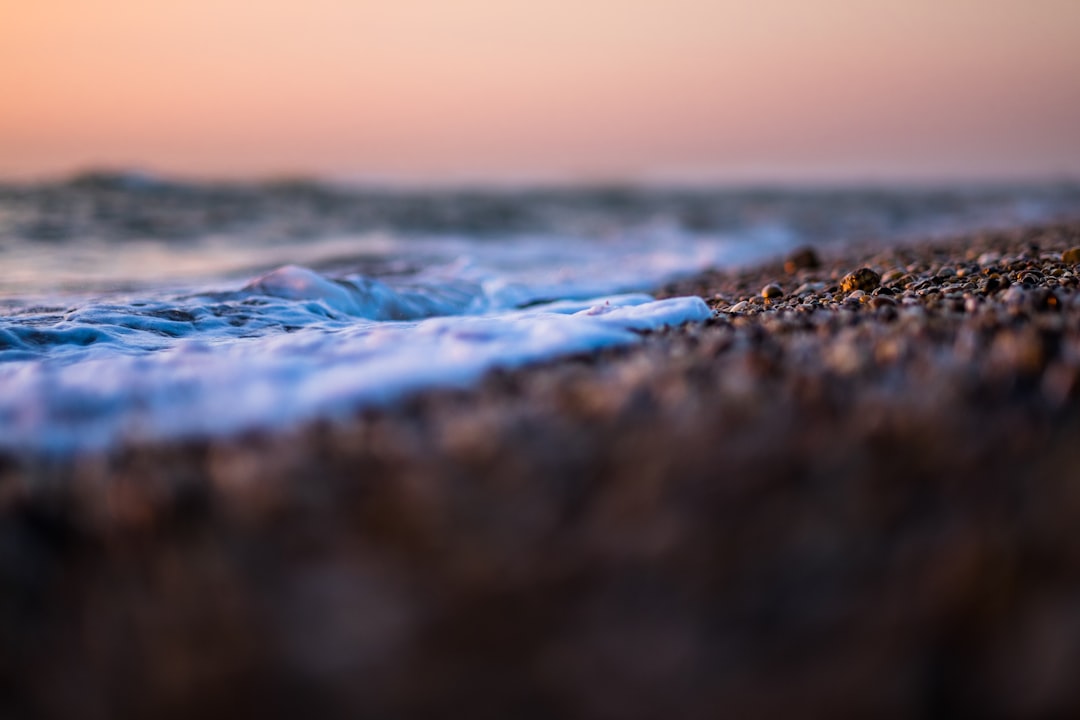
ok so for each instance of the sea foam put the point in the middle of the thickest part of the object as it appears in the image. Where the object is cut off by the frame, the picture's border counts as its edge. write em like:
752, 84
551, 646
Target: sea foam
193, 387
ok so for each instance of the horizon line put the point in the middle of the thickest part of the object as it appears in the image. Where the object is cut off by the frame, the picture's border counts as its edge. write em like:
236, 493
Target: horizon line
524, 181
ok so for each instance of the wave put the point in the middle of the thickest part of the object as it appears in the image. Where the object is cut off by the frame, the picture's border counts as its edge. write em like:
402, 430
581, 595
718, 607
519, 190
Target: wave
196, 388
366, 297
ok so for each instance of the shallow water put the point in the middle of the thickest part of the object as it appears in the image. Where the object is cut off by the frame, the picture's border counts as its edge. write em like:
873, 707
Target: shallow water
135, 309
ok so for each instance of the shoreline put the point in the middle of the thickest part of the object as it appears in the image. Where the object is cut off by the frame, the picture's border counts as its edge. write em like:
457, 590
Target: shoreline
824, 502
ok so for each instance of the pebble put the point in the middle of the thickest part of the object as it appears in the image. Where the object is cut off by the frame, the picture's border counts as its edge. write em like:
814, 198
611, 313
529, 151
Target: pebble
807, 288
772, 291
881, 301
804, 258
1071, 256
1013, 296
892, 276
861, 279
740, 307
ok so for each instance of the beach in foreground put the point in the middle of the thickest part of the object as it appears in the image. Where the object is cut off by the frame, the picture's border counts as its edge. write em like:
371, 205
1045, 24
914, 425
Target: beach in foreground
857, 495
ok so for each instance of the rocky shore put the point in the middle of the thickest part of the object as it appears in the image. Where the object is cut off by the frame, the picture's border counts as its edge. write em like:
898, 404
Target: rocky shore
855, 490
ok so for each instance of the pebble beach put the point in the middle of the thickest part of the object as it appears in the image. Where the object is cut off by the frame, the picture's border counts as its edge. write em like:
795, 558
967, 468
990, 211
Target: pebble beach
854, 490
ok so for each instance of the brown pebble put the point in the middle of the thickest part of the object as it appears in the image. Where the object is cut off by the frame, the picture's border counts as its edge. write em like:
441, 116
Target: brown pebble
863, 279
804, 258
772, 291
880, 301
1071, 256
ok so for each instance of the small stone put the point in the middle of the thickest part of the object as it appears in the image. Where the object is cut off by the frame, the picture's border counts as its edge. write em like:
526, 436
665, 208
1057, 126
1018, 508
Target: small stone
892, 276
881, 301
808, 288
1071, 256
804, 258
862, 279
772, 291
739, 307
1014, 296
988, 258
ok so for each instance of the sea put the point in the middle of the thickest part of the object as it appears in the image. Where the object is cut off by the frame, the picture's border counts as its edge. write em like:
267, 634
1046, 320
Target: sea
137, 308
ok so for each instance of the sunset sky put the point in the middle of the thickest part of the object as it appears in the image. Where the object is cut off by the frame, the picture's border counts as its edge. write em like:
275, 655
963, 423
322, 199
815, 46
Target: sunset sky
520, 90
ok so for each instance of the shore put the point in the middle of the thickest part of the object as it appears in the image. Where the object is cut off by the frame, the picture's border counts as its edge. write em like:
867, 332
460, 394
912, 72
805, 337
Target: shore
855, 490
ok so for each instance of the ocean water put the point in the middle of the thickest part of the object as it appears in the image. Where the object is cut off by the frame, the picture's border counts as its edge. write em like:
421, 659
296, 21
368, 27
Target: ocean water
137, 309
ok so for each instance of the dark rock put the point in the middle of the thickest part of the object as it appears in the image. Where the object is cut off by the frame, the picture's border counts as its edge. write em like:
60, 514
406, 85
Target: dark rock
772, 291
804, 258
863, 279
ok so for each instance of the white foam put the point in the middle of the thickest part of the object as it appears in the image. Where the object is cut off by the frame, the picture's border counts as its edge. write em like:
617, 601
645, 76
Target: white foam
198, 389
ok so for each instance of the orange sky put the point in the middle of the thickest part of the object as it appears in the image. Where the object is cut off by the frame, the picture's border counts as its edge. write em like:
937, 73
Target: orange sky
451, 90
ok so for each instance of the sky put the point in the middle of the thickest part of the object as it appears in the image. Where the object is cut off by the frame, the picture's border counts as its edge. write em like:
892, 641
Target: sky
445, 91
